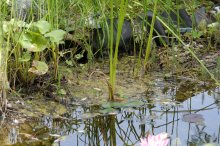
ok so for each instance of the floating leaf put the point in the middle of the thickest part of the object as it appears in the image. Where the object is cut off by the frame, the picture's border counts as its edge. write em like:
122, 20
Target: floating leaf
133, 103
89, 115
113, 105
38, 67
109, 111
193, 118
56, 36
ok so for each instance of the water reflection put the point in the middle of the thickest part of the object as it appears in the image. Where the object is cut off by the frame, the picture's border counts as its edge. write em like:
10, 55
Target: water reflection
130, 124
87, 126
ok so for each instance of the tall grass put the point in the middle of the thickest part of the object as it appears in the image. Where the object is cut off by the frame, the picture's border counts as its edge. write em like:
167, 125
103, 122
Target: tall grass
114, 58
148, 48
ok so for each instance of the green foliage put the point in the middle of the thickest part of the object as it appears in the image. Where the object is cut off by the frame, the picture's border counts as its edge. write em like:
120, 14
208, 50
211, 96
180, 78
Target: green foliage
33, 39
56, 36
43, 26
114, 57
196, 34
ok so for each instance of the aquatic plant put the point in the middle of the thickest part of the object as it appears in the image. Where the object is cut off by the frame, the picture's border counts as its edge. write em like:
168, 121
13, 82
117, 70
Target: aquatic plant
155, 140
114, 54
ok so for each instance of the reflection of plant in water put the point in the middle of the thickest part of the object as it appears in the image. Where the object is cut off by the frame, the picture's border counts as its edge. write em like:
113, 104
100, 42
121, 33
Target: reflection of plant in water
103, 130
201, 137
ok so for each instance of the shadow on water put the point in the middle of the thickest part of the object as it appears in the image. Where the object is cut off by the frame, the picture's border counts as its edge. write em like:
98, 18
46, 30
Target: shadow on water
194, 121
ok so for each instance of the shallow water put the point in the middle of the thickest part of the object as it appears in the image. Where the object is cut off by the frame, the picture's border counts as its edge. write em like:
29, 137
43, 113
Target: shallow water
130, 124
125, 124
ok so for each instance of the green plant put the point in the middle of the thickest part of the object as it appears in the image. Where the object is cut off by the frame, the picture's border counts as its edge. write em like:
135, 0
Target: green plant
31, 41
114, 58
148, 48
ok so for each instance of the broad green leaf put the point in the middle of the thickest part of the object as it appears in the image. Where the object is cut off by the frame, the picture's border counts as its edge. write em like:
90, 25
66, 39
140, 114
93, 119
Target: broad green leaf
25, 57
56, 36
38, 68
33, 42
43, 26
25, 41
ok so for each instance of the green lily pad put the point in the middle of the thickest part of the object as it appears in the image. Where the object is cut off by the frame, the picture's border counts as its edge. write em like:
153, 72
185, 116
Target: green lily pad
193, 118
108, 111
132, 103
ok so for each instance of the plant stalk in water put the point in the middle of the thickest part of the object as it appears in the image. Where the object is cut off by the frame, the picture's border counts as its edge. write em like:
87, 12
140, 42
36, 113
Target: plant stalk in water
114, 59
148, 49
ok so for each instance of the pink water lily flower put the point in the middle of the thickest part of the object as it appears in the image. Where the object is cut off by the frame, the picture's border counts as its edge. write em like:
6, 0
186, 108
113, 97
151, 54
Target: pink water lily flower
157, 140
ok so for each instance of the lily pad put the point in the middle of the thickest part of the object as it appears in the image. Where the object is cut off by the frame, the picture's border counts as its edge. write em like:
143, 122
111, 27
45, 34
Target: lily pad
113, 105
193, 118
133, 103
109, 111
89, 115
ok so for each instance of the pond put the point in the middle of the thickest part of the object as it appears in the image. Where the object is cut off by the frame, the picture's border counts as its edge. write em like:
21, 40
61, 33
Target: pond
129, 124
194, 121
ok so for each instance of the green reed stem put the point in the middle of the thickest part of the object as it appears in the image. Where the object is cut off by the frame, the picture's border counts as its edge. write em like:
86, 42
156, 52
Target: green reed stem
114, 59
148, 49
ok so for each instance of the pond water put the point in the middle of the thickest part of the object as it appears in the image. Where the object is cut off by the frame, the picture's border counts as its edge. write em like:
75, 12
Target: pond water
129, 124
191, 122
